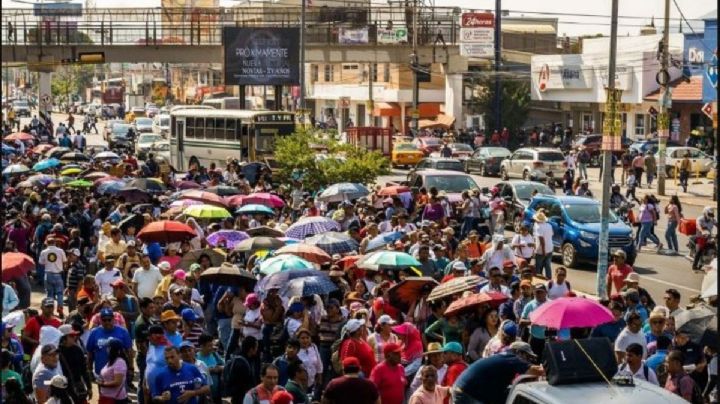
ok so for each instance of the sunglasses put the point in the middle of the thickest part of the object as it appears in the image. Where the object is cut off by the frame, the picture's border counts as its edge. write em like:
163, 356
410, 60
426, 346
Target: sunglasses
104, 319
657, 322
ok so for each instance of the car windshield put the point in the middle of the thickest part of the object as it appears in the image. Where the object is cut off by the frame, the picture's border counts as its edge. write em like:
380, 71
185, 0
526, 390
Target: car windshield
524, 191
551, 156
143, 121
461, 147
164, 121
149, 138
451, 183
406, 147
587, 213
431, 141
21, 103
450, 165
120, 128
497, 152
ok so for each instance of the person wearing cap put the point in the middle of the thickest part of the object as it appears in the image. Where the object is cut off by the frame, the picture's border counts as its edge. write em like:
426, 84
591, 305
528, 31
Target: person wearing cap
453, 356
350, 388
31, 332
632, 281
73, 358
693, 356
126, 260
354, 345
146, 278
178, 381
106, 276
496, 372
252, 319
187, 354
389, 375
58, 390
383, 335
75, 274
632, 333
97, 356
11, 343
170, 320
433, 356
176, 302
48, 368
655, 326
458, 269
53, 259
543, 232
191, 329
537, 332
617, 272
634, 305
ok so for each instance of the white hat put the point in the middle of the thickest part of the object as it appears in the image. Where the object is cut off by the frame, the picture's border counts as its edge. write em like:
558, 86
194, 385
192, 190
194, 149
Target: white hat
58, 381
354, 325
130, 243
459, 266
75, 252
385, 319
164, 266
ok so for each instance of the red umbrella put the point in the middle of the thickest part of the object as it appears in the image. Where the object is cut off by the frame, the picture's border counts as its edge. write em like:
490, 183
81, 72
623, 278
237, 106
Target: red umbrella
468, 303
394, 190
309, 252
403, 294
15, 265
263, 198
166, 231
42, 148
234, 200
569, 312
203, 196
22, 136
348, 261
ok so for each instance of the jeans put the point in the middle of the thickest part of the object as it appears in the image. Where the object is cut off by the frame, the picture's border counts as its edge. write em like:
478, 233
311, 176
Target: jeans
224, 330
650, 177
232, 345
141, 361
671, 235
24, 291
544, 262
646, 233
460, 397
582, 167
54, 288
684, 175
638, 175
467, 225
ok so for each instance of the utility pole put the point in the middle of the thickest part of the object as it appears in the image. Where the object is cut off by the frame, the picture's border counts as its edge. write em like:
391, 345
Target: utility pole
415, 65
302, 57
664, 118
498, 58
371, 103
609, 134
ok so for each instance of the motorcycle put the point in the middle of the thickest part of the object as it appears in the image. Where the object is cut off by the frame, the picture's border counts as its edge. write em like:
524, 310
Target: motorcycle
707, 242
625, 213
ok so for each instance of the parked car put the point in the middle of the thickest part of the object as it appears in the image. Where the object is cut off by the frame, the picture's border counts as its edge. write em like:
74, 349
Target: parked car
593, 144
517, 195
143, 125
650, 145
119, 137
452, 183
144, 143
460, 151
533, 163
161, 124
701, 162
435, 163
151, 110
405, 154
576, 228
21, 108
541, 392
487, 160
109, 126
161, 149
428, 144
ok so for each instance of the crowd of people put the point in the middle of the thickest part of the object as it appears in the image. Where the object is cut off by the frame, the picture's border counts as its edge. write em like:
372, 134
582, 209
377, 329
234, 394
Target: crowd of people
130, 316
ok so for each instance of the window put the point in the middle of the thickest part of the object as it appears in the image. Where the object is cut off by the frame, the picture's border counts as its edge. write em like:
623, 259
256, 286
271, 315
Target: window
350, 67
314, 73
374, 72
199, 128
328, 73
230, 127
639, 125
386, 72
190, 128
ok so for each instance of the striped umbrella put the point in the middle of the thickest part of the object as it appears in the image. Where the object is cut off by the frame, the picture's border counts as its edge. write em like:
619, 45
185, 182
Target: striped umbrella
333, 242
310, 226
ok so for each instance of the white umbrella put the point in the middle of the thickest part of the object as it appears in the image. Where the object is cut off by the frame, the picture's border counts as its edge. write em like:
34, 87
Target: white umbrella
106, 155
709, 285
15, 169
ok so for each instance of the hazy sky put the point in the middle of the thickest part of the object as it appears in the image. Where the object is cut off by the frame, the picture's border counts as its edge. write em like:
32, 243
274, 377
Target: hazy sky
569, 24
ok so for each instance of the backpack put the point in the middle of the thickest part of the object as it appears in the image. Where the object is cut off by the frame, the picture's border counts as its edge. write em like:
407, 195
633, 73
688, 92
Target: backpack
697, 397
335, 357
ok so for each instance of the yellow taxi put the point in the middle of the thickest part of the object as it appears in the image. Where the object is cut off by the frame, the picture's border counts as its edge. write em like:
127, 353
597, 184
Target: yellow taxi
406, 154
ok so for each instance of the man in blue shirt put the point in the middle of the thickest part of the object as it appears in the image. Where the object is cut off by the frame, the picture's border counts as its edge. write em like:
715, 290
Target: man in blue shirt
611, 330
97, 341
537, 332
179, 381
662, 346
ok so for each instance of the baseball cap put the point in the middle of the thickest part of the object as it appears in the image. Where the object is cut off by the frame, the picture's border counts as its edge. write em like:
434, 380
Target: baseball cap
453, 347
251, 299
119, 283
385, 319
75, 252
281, 397
58, 381
164, 266
350, 361
48, 302
106, 312
392, 347
186, 344
189, 315
48, 349
179, 274
509, 328
459, 266
130, 243
540, 287
520, 346
67, 329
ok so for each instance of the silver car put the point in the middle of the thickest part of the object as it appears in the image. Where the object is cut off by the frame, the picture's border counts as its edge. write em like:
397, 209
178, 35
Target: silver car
144, 125
533, 163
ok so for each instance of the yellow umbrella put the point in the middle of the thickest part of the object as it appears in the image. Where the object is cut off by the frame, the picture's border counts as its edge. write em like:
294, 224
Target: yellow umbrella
206, 212
71, 171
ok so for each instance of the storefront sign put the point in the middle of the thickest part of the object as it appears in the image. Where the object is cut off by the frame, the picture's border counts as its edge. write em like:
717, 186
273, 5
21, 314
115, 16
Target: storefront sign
623, 78
392, 36
349, 36
261, 56
696, 56
566, 77
477, 34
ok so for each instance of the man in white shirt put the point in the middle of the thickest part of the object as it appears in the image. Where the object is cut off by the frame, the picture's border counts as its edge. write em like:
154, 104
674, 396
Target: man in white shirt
635, 366
631, 334
146, 278
543, 233
53, 259
106, 276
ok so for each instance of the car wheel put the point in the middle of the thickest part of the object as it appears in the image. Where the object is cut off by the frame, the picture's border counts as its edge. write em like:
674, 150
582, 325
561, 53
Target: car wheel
569, 255
526, 175
517, 223
504, 174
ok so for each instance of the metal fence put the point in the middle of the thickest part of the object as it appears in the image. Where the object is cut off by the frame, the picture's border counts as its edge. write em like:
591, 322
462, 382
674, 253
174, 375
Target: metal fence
203, 26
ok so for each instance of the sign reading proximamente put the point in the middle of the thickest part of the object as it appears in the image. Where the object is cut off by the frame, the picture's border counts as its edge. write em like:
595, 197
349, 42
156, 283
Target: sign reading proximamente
261, 56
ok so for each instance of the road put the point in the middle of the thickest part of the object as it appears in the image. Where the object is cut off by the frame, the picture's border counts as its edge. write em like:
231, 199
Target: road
657, 272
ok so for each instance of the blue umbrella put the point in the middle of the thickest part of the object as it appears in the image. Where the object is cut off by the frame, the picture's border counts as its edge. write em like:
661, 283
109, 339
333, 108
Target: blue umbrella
333, 242
384, 239
280, 279
310, 226
255, 208
308, 286
45, 164
6, 149
110, 187
344, 191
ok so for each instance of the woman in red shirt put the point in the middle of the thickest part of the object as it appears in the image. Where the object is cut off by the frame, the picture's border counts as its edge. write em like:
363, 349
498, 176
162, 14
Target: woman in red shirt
354, 345
618, 272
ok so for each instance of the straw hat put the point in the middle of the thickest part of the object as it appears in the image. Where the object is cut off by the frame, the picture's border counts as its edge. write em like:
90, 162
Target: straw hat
540, 217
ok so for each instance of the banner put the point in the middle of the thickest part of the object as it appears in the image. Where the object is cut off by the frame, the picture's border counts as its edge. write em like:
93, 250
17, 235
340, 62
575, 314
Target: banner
477, 34
348, 36
623, 78
261, 56
565, 77
392, 36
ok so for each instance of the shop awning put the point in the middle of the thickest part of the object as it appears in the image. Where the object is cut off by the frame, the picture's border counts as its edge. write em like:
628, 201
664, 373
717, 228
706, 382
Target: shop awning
429, 109
442, 121
682, 91
386, 109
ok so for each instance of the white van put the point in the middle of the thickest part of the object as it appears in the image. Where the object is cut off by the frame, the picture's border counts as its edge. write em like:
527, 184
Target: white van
540, 392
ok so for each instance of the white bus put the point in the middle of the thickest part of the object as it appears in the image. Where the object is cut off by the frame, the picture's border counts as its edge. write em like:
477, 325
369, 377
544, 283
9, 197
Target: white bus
203, 136
222, 103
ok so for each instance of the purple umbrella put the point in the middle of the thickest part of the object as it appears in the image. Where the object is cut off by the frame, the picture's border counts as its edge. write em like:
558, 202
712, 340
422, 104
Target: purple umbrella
310, 226
231, 238
187, 185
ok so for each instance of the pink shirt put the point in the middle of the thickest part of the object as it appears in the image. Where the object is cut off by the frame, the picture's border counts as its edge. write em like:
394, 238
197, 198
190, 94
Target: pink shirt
422, 396
108, 374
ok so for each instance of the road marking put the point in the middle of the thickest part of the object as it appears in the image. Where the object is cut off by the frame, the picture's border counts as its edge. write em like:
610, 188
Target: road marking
674, 285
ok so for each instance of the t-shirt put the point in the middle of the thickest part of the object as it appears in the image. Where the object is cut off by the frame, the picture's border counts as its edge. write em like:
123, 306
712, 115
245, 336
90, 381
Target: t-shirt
53, 258
97, 344
188, 377
537, 331
105, 278
147, 281
423, 396
108, 373
43, 374
626, 338
351, 390
496, 373
32, 327
6, 374
545, 231
251, 316
657, 359
609, 330
390, 381
525, 251
454, 371
617, 275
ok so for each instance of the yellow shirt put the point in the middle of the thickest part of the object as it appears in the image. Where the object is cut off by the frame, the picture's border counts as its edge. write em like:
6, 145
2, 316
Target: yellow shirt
163, 286
115, 249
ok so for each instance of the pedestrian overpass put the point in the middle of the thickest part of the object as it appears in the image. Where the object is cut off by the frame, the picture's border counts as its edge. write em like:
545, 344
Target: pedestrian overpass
194, 35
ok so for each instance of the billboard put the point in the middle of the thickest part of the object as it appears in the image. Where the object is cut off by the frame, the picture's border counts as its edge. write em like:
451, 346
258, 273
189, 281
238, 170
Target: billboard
261, 56
477, 34
57, 10
392, 35
348, 36
564, 77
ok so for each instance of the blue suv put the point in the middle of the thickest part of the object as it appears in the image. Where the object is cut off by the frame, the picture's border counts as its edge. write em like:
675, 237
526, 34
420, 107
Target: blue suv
576, 226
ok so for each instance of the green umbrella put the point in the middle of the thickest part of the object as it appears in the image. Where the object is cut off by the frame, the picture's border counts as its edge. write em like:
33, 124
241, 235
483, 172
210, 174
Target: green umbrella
388, 259
255, 208
283, 263
206, 212
79, 184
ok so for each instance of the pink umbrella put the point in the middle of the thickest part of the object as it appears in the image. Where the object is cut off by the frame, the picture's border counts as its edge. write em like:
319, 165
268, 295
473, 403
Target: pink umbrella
187, 185
183, 203
571, 312
262, 198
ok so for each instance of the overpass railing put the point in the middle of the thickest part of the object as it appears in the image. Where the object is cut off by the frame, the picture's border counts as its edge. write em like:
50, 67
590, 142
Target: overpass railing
203, 26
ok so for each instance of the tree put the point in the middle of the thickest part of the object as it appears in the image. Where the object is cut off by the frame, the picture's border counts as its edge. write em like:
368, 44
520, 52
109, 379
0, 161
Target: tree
296, 155
70, 80
515, 102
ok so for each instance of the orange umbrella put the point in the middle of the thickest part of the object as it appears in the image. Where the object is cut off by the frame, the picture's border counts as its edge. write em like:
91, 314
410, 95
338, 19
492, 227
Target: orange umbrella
468, 303
409, 290
166, 231
394, 190
15, 265
309, 252
22, 136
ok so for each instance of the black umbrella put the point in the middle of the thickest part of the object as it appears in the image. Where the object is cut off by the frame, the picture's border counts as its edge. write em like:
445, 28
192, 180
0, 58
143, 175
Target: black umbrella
132, 219
264, 231
223, 190
694, 322
143, 208
230, 275
146, 184
74, 156
134, 195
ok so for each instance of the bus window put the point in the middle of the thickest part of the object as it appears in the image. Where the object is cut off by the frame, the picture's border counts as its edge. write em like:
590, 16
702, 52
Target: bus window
190, 128
199, 128
230, 126
210, 128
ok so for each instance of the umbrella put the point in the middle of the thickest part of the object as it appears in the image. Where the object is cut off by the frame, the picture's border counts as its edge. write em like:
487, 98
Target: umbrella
280, 279
255, 208
74, 156
22, 136
333, 242
166, 231
709, 285
57, 151
223, 190
24, 184
349, 261
469, 303
388, 259
403, 294
206, 212
264, 231
695, 321
110, 187
259, 243
95, 175
45, 164
384, 239
151, 185
71, 171
230, 237
15, 265
454, 286
202, 196
394, 190
230, 275
79, 184
41, 179
101, 180
710, 336
310, 226
15, 169
306, 251
143, 208
182, 185
106, 155
55, 184
134, 195
216, 256
308, 286
343, 191
283, 263
184, 203
133, 219
571, 312
263, 198
42, 148
7, 149
289, 240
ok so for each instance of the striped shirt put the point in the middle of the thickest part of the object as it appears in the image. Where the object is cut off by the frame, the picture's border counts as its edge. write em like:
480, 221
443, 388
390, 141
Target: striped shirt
76, 273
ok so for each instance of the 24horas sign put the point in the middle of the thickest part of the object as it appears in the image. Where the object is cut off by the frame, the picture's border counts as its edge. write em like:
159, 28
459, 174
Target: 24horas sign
261, 56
